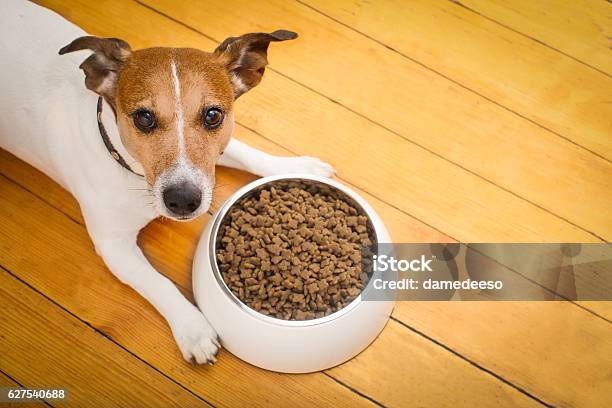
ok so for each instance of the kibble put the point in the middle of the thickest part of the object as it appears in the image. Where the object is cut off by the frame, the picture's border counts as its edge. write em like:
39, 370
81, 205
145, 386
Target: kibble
293, 251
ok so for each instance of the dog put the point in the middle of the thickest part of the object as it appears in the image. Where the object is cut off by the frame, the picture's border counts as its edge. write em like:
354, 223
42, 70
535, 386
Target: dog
148, 124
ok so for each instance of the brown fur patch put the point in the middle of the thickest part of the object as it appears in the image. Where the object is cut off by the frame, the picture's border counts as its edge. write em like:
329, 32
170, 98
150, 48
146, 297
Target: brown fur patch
101, 67
145, 82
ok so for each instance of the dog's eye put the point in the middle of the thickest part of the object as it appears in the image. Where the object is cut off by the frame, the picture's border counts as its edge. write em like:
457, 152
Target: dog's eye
212, 118
144, 120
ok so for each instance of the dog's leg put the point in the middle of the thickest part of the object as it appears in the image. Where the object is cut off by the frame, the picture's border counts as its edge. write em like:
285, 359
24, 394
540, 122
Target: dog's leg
195, 337
240, 156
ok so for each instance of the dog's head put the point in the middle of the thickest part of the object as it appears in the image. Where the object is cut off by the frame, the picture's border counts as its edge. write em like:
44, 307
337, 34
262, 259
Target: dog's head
174, 108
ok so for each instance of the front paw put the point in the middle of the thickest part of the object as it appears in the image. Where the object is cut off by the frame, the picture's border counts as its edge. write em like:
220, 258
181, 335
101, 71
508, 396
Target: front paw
314, 166
196, 339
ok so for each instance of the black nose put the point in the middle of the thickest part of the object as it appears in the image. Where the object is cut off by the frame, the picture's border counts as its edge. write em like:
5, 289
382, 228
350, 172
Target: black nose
182, 198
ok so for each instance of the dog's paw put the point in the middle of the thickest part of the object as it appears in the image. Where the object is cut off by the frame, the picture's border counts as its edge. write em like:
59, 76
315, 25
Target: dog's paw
301, 164
197, 340
314, 166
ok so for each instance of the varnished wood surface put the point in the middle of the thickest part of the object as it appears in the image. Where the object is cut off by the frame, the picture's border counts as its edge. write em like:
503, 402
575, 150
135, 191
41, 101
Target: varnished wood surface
479, 121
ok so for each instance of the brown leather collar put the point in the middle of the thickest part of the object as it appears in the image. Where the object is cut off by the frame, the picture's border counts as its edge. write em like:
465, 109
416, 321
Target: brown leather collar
107, 142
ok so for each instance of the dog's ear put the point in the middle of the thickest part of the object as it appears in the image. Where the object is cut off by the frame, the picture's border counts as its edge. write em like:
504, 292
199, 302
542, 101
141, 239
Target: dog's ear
102, 66
245, 57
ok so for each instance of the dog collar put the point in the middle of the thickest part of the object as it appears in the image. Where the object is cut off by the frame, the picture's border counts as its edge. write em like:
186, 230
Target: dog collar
107, 142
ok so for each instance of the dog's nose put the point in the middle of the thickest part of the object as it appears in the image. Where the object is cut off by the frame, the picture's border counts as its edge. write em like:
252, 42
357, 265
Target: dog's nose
183, 198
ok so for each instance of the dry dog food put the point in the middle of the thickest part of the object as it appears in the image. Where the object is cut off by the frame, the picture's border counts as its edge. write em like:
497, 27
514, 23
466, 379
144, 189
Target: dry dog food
293, 251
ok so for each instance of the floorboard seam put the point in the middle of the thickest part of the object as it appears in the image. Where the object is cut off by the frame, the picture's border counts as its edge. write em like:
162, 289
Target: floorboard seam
76, 221
551, 291
460, 4
105, 335
423, 65
356, 391
22, 386
15, 182
438, 155
473, 363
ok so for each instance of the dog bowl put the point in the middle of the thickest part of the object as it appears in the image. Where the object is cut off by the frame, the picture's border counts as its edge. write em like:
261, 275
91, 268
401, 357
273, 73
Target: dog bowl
288, 346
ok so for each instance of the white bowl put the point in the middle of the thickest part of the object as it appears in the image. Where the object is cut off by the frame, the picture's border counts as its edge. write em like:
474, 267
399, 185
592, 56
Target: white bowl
285, 345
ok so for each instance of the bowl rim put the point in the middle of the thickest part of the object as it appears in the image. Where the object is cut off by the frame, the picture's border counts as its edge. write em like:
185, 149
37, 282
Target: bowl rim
222, 212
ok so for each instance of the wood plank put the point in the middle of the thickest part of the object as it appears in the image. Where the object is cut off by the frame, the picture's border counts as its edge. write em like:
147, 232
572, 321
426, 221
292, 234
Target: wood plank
579, 28
40, 184
419, 105
65, 352
399, 369
54, 254
523, 75
439, 193
5, 381
557, 351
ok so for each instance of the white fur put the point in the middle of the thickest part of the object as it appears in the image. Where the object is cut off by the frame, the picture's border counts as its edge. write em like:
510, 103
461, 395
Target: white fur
48, 118
178, 107
241, 156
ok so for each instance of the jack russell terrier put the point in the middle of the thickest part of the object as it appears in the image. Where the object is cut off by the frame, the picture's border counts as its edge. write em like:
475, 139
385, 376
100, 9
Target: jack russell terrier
162, 118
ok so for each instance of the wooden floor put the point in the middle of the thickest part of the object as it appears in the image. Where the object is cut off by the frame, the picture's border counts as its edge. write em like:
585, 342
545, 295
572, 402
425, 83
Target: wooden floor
471, 120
